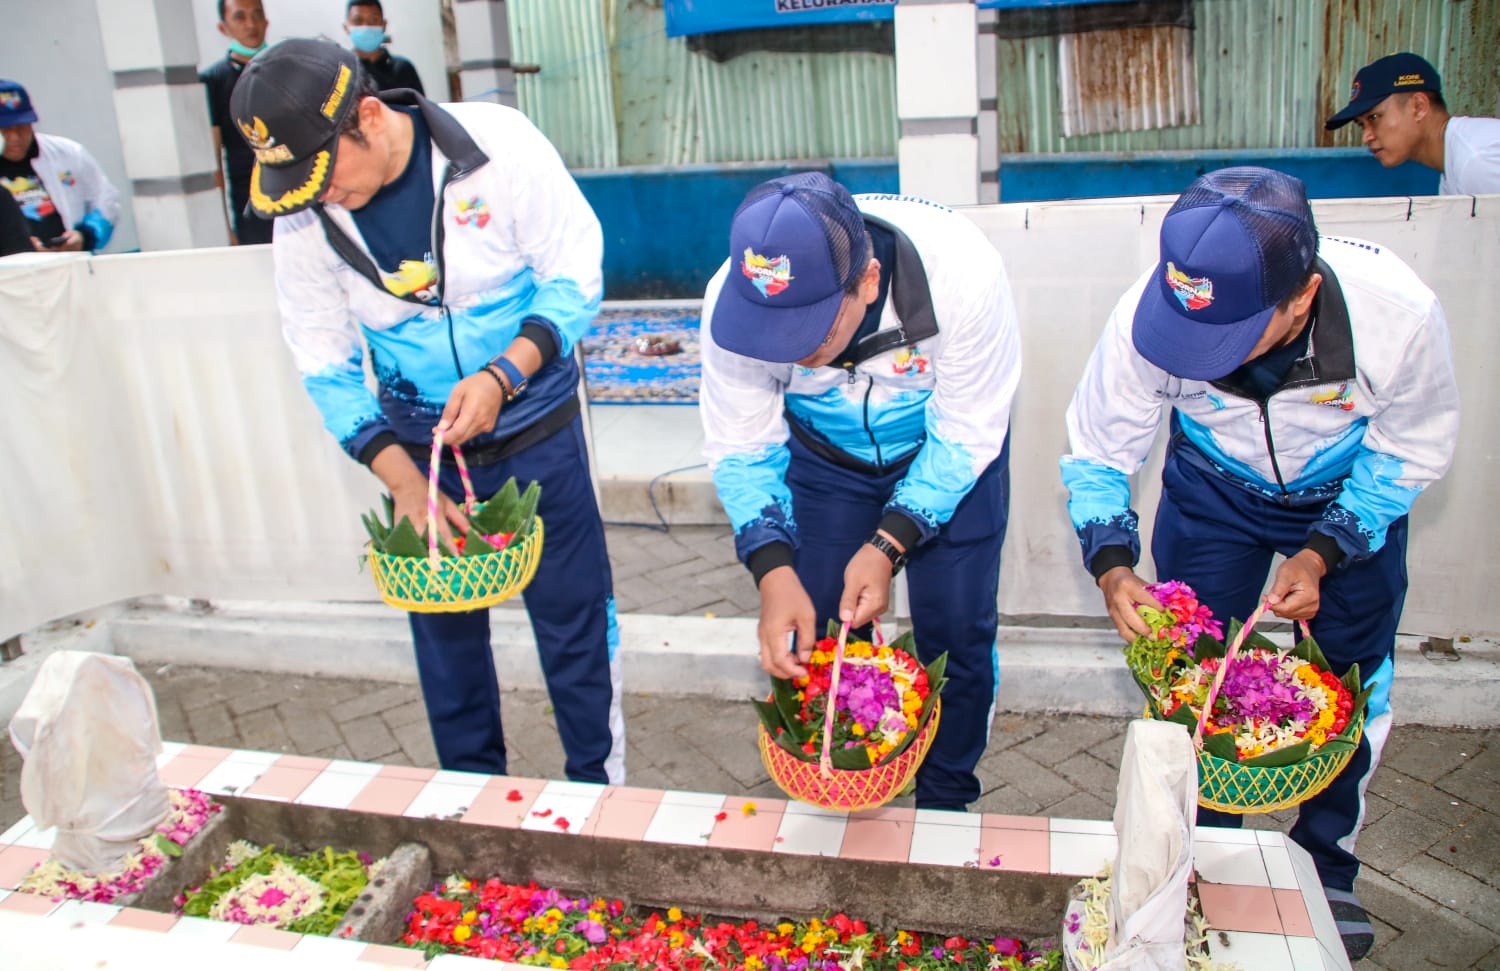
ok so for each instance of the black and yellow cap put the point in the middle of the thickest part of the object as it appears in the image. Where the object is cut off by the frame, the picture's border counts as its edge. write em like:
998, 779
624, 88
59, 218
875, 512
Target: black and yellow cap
289, 106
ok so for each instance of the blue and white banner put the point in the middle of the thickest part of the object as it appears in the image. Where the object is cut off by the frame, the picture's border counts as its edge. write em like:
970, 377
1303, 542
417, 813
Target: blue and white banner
709, 16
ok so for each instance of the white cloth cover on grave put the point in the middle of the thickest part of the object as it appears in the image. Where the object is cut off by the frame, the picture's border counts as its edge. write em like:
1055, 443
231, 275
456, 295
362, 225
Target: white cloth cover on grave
1155, 809
87, 730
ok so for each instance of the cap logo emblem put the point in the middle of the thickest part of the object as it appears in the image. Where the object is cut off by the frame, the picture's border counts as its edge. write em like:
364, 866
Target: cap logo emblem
770, 276
336, 96
10, 99
264, 144
1406, 80
1193, 292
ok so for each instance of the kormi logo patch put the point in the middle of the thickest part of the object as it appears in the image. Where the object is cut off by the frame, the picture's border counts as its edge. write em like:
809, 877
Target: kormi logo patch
1193, 292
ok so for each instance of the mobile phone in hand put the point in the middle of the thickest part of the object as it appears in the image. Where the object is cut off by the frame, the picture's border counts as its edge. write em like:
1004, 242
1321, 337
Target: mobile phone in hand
57, 241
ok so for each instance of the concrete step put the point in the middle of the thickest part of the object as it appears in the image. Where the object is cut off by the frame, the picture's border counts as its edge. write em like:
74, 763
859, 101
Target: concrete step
1043, 669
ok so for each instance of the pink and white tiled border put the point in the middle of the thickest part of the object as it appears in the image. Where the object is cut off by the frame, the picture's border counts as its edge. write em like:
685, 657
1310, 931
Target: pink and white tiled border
1256, 886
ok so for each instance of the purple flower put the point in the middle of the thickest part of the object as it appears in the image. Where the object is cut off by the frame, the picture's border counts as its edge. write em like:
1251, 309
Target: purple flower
592, 931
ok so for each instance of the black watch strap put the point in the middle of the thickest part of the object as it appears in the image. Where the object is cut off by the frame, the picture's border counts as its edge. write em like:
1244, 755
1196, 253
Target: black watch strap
897, 558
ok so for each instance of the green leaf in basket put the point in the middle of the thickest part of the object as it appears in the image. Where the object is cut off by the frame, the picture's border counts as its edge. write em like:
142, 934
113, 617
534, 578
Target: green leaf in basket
1290, 755
404, 540
492, 514
936, 672
906, 642
1206, 646
1337, 745
475, 544
1256, 639
833, 629
855, 759
1183, 715
390, 511
1220, 744
794, 748
770, 715
1308, 650
784, 695
375, 528
526, 511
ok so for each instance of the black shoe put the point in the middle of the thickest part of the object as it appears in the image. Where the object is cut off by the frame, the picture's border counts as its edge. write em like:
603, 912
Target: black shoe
1353, 923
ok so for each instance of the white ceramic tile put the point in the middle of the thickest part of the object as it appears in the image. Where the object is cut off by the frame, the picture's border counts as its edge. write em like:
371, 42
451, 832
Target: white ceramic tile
810, 835
1224, 834
1321, 917
588, 790
1306, 955
942, 817
333, 790
1081, 854
169, 752
330, 951
952, 843
4, 894
575, 808
38, 839
440, 799
201, 929
474, 780
249, 757
231, 778
796, 808
346, 767
84, 912
1230, 863
1279, 867
685, 824
17, 829
1098, 827
1260, 952
1334, 958
1268, 837
675, 797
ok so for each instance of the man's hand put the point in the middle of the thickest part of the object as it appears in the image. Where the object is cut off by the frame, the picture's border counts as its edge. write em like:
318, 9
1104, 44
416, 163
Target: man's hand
1294, 594
867, 586
407, 485
784, 607
72, 242
472, 408
1123, 590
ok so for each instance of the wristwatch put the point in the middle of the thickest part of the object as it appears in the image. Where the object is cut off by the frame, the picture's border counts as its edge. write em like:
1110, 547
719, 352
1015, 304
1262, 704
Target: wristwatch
897, 558
518, 381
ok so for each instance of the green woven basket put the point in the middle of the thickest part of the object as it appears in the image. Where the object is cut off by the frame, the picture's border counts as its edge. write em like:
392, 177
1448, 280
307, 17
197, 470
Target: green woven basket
449, 584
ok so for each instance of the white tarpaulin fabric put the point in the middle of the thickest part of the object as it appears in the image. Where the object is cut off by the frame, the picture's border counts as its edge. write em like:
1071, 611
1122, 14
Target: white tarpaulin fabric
1155, 808
88, 733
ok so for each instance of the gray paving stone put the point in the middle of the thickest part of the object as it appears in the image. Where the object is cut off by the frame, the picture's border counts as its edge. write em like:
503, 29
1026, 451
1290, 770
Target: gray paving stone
415, 739
1092, 735
368, 738
1005, 799
1041, 784
372, 702
412, 712
262, 730
1453, 889
309, 731
1091, 775
1477, 780
1430, 753
259, 697
1420, 797
211, 724
1083, 805
1396, 839
1473, 848
1429, 936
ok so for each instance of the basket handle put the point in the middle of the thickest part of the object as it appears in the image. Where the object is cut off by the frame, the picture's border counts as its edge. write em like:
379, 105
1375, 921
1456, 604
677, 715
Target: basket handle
433, 467
825, 761
1229, 655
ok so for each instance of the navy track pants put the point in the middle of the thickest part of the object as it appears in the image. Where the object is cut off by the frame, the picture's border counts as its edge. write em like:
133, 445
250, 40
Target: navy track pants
572, 613
1219, 538
954, 582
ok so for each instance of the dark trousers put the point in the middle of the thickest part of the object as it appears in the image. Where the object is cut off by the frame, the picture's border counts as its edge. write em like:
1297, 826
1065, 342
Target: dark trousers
572, 615
248, 227
1219, 538
953, 580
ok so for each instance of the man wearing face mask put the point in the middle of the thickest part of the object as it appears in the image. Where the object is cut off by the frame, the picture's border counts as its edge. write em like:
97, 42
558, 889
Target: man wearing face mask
365, 23
244, 23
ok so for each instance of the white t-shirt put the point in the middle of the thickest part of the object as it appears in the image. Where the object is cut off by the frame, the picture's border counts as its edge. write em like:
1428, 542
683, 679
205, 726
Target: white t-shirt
1471, 157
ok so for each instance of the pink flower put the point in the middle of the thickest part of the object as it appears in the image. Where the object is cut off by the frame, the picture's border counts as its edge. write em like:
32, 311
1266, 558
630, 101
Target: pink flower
270, 897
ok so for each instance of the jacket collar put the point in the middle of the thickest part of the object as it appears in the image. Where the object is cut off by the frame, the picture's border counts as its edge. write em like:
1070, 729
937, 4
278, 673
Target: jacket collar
458, 147
1330, 354
911, 297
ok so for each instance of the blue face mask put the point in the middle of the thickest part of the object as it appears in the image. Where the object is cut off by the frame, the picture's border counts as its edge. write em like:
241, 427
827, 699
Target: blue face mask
235, 47
367, 39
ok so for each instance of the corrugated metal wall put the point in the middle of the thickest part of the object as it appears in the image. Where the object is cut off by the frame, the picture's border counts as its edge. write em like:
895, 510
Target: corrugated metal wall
614, 90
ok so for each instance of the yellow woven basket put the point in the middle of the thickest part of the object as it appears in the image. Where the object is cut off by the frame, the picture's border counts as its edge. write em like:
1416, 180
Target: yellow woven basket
449, 584
847, 790
1232, 787
1248, 789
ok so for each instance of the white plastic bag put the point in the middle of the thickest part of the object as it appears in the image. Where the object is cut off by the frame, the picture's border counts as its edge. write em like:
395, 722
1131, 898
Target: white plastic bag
88, 733
1155, 809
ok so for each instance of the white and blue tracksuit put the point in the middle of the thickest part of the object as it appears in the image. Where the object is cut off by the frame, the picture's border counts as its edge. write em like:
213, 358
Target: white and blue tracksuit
906, 430
1330, 459
82, 193
514, 246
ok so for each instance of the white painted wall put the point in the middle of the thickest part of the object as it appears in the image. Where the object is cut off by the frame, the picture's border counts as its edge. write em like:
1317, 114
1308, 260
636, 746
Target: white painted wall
158, 441
54, 48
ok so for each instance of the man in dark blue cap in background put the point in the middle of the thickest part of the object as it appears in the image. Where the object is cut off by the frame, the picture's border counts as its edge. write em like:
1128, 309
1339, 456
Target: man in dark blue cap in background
859, 359
1312, 398
1398, 101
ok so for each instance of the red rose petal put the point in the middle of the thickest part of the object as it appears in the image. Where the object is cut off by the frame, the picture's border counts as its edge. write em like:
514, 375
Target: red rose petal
543, 814
514, 796
720, 817
562, 823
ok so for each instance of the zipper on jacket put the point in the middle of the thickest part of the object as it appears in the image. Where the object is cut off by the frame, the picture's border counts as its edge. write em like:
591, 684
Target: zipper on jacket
1265, 420
870, 386
453, 342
